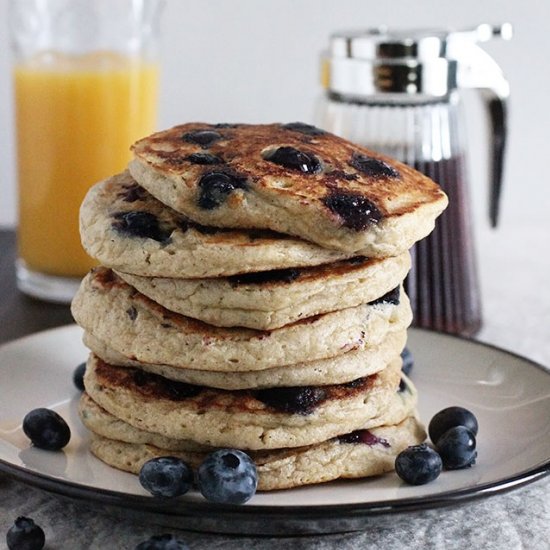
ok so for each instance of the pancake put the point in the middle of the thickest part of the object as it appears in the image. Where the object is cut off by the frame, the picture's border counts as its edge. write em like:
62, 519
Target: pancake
138, 328
100, 422
272, 299
167, 244
248, 419
294, 179
362, 453
335, 370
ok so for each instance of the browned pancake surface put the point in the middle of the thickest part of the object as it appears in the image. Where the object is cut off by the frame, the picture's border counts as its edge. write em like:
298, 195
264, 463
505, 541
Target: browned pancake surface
339, 170
276, 400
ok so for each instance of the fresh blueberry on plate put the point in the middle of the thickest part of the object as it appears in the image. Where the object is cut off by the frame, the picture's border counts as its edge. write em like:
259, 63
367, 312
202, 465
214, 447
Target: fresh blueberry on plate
166, 476
449, 418
46, 429
408, 361
228, 476
162, 542
457, 448
78, 376
24, 534
418, 464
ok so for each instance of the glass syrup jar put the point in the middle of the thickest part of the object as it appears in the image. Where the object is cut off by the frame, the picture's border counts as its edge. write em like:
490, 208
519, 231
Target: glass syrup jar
398, 92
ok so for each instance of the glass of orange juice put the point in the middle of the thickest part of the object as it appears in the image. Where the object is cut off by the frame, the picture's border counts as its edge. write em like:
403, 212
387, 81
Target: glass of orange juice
85, 86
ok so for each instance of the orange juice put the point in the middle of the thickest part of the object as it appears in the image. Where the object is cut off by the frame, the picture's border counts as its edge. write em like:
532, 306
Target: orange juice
76, 118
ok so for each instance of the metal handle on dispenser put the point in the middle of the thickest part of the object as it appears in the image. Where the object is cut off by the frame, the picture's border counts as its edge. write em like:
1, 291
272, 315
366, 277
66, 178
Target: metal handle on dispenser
477, 69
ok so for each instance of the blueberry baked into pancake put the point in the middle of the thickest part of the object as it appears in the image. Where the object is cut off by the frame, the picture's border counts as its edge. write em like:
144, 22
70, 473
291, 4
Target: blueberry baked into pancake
269, 418
291, 178
124, 227
250, 297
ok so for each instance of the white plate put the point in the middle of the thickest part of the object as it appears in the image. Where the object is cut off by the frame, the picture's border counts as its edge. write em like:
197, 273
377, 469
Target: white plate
509, 395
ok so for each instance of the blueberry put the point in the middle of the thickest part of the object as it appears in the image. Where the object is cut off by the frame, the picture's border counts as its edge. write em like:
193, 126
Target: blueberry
457, 448
372, 167
357, 260
365, 437
355, 210
133, 193
24, 534
158, 385
46, 429
132, 313
162, 542
408, 361
228, 476
204, 159
78, 376
204, 138
300, 399
215, 187
449, 418
418, 464
391, 297
304, 128
292, 158
166, 476
140, 224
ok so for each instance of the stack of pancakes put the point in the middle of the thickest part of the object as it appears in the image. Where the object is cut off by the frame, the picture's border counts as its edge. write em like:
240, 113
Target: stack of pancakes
250, 297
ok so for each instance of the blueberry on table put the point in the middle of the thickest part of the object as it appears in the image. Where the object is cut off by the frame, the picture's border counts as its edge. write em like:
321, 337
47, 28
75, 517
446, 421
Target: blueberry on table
166, 476
408, 360
78, 376
418, 464
162, 542
46, 429
24, 534
457, 448
449, 418
228, 476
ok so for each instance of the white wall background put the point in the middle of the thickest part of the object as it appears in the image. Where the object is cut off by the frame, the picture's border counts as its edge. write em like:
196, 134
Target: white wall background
257, 60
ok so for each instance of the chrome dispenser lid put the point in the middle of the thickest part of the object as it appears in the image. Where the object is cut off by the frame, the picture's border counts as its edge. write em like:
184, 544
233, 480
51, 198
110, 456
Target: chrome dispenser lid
428, 62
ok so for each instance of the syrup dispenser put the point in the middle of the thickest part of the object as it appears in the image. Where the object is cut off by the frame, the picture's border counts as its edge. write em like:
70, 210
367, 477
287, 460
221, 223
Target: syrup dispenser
398, 92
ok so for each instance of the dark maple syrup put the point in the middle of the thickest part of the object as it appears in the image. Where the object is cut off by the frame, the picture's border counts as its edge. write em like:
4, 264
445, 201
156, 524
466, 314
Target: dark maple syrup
442, 284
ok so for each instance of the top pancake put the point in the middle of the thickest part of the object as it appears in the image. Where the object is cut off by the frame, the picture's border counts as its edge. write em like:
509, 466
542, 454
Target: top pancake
294, 179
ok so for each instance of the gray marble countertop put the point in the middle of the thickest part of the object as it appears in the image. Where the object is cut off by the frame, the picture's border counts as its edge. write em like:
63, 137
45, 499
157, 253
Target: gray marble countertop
513, 521
516, 299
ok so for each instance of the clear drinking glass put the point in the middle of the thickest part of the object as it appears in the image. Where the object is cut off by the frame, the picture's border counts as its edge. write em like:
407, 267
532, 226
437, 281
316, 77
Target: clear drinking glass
85, 86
